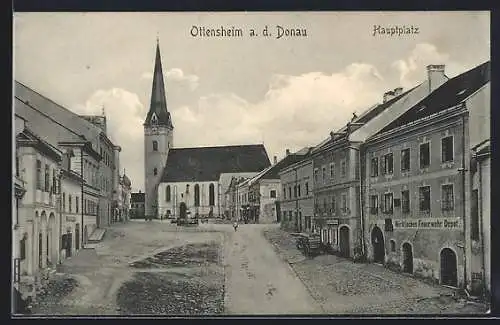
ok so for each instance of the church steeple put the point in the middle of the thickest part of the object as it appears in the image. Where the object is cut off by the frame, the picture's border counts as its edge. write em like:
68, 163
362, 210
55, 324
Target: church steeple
158, 112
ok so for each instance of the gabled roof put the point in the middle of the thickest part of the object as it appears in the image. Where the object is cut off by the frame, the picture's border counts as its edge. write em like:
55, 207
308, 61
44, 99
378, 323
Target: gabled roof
29, 138
207, 163
137, 197
450, 94
158, 112
272, 172
365, 117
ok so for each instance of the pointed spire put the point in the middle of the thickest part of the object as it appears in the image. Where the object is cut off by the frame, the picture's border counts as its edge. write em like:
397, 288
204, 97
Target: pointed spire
158, 104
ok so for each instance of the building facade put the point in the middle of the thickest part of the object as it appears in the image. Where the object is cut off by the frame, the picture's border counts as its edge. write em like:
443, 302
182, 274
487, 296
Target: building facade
337, 167
137, 205
418, 187
37, 225
297, 201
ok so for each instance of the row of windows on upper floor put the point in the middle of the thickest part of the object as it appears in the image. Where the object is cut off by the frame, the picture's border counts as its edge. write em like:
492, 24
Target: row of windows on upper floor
89, 207
388, 202
211, 194
249, 197
106, 158
331, 206
387, 160
296, 191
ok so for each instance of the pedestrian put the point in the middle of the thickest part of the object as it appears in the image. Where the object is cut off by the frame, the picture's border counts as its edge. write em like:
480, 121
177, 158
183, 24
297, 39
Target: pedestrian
235, 225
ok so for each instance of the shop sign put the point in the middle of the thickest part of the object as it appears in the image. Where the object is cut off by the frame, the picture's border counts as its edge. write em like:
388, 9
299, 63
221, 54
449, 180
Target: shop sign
429, 223
333, 222
70, 218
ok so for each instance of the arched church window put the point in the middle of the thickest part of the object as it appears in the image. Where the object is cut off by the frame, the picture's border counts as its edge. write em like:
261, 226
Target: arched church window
155, 145
155, 171
197, 195
154, 119
167, 194
211, 194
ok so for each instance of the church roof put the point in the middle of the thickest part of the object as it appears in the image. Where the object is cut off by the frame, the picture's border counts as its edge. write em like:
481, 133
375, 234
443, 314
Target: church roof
450, 94
208, 163
158, 112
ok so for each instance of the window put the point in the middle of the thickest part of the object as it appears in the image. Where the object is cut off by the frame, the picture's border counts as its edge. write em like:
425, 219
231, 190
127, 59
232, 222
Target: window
316, 175
425, 198
155, 171
17, 165
64, 201
373, 204
307, 188
388, 203
343, 168
284, 215
211, 194
325, 205
425, 155
284, 192
323, 173
22, 247
272, 194
196, 195
405, 201
155, 145
447, 149
290, 192
47, 179
344, 203
447, 197
374, 167
76, 204
54, 182
475, 215
393, 245
167, 194
69, 203
295, 191
333, 204
187, 188
298, 190
387, 164
405, 159
332, 171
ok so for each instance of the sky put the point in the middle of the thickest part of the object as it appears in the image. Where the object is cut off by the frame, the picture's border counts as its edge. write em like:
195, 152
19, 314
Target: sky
287, 93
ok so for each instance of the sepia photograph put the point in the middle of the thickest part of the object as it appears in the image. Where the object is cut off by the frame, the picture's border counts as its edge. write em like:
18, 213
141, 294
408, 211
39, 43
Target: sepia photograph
240, 164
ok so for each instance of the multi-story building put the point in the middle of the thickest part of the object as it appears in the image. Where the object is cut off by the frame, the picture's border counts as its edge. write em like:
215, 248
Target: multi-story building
480, 208
242, 204
226, 185
137, 205
297, 201
62, 128
37, 225
337, 165
418, 185
264, 189
70, 209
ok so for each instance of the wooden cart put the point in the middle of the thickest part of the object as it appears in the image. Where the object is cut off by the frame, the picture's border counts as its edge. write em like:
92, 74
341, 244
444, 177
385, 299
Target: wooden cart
310, 244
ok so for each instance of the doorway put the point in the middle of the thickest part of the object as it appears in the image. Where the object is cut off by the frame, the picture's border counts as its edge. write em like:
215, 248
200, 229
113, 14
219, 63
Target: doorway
378, 245
69, 244
449, 267
344, 241
77, 236
407, 258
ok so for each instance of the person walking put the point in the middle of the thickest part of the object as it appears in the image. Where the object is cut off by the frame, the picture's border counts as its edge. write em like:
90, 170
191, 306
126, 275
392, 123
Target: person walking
235, 225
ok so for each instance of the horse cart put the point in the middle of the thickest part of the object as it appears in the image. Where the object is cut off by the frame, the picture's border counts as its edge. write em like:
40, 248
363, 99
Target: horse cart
309, 244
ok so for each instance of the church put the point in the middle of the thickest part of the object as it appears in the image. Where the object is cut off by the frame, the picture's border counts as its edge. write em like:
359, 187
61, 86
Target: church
187, 178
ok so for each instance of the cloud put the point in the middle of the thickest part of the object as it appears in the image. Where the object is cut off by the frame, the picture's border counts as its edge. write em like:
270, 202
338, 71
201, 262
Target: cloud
412, 69
177, 76
125, 115
296, 111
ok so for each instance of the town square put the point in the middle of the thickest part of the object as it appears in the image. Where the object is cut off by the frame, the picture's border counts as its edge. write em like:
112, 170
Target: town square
161, 173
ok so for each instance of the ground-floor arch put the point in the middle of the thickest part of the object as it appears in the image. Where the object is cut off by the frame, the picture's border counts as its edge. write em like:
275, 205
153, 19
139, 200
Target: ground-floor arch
344, 241
407, 252
378, 245
448, 267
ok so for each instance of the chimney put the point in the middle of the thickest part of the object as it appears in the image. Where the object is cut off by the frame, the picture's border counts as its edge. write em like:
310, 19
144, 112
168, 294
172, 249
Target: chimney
398, 91
287, 152
388, 96
275, 160
140, 191
435, 76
